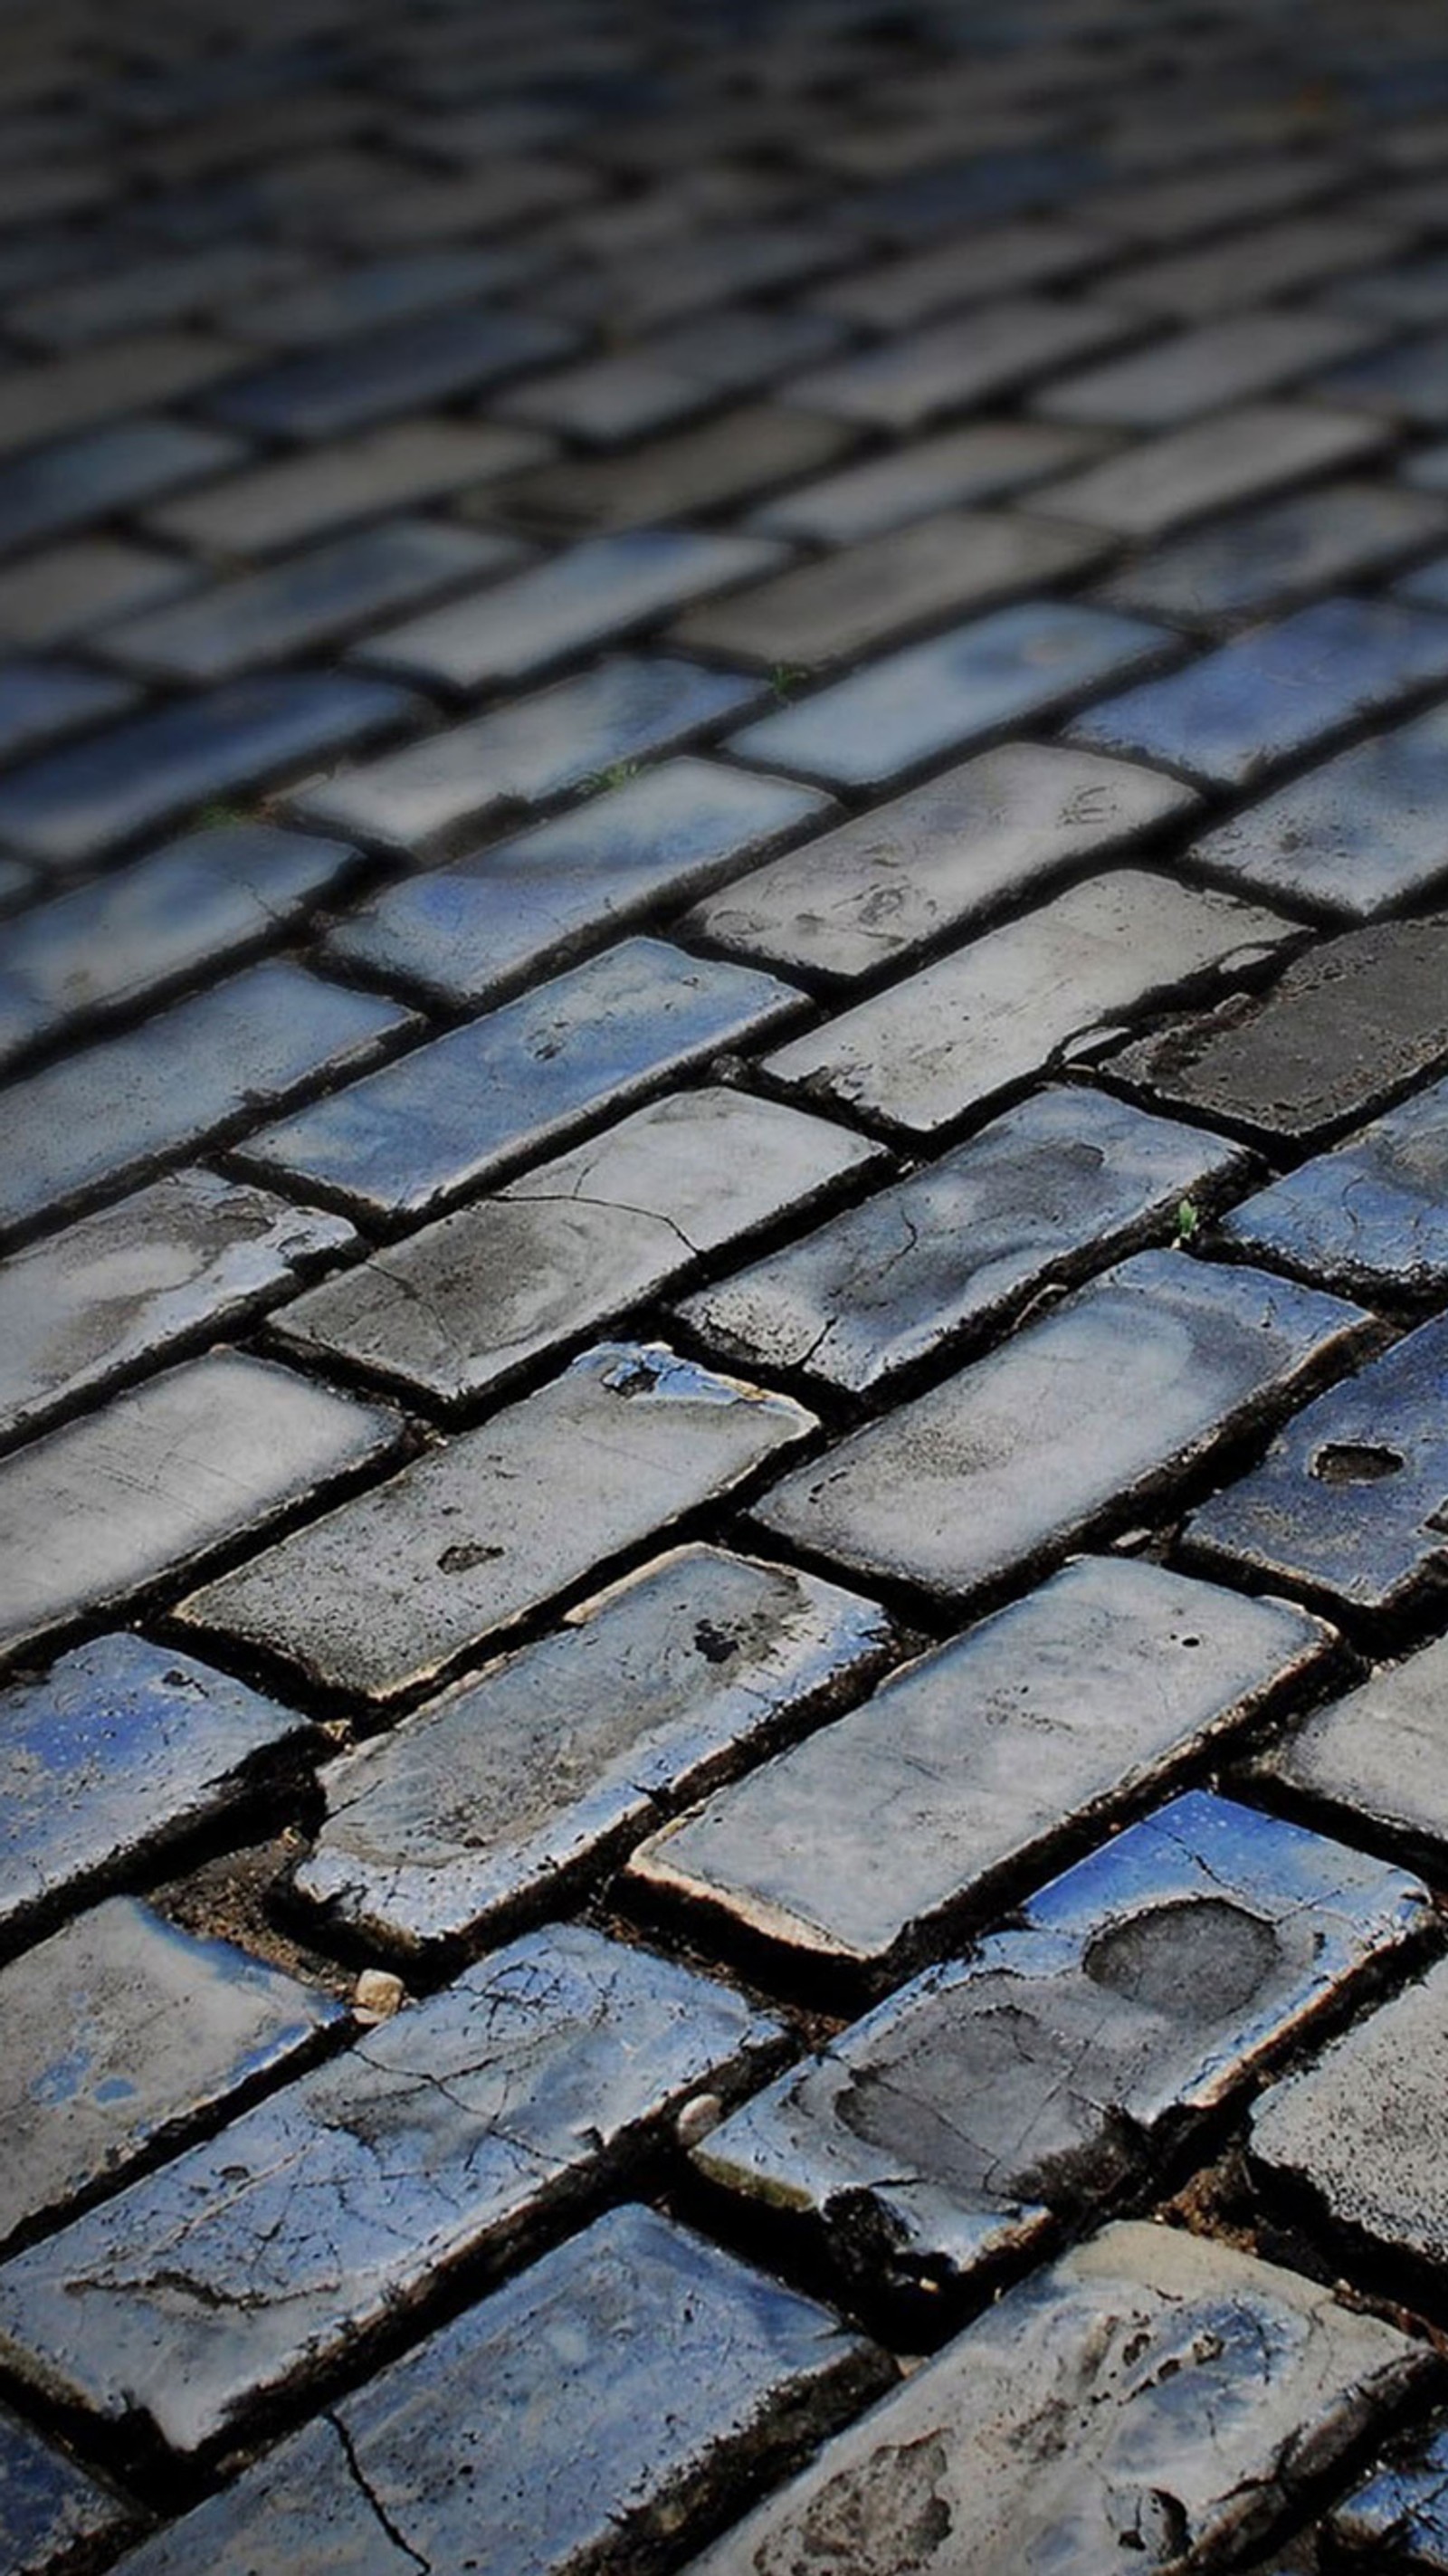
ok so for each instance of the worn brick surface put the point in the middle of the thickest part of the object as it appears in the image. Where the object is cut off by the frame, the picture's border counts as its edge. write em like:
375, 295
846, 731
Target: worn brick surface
767, 681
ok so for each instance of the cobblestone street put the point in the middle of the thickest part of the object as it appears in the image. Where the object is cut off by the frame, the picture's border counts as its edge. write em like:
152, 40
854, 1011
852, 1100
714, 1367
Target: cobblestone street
723, 1287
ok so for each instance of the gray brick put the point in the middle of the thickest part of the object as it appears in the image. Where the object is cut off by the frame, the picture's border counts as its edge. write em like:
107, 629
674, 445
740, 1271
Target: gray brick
602, 589
1021, 998
581, 2350
1348, 1500
461, 1109
1372, 1217
49, 2508
210, 2287
724, 460
685, 276
1266, 560
307, 602
1046, 2071
1062, 1182
506, 191
207, 1453
493, 1801
66, 594
336, 303
91, 1120
992, 260
290, 499
78, 480
1375, 1756
864, 1843
115, 1755
42, 702
1107, 1398
1201, 201
460, 1309
1400, 2505
1358, 2131
1345, 1026
471, 930
956, 365
737, 351
121, 1290
65, 394
1414, 292
195, 904
1237, 456
1153, 2391
121, 2034
844, 606
1191, 373
328, 391
167, 287
78, 805
1267, 696
501, 1520
1407, 381
608, 402
528, 751
1284, 258
914, 871
908, 710
983, 461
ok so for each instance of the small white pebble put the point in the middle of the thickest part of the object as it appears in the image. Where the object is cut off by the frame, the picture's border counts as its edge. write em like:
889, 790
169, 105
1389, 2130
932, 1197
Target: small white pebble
697, 2118
377, 1995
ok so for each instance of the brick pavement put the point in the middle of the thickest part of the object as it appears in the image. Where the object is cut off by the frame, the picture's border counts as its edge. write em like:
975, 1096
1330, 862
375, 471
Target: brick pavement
723, 1287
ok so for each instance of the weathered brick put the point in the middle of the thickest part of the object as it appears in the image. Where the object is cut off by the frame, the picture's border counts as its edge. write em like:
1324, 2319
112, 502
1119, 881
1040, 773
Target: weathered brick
864, 1843
1191, 373
952, 365
462, 1308
501, 1520
328, 391
1375, 1755
1238, 569
991, 260
1161, 483
42, 702
249, 2265
1048, 2069
336, 303
68, 593
1056, 1185
1409, 381
291, 499
74, 481
983, 461
209, 1452
1370, 1217
75, 393
1302, 251
705, 468
52, 2513
1400, 2507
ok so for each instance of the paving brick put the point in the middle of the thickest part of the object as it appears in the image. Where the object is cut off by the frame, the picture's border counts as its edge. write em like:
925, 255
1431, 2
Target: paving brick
688, 274
1255, 565
844, 606
495, 1800
1358, 2131
983, 187
74, 393
864, 1843
1375, 1755
499, 2103
65, 594
1356, 1019
1123, 1388
122, 1289
460, 1309
42, 702
209, 1452
738, 351
1412, 291
1190, 373
991, 260
463, 1108
471, 930
1163, 483
328, 391
502, 1519
1062, 1182
122, 2034
523, 753
307, 602
575, 2356
292, 499
164, 287
724, 460
91, 1120
130, 933
954, 366
925, 866
78, 805
1202, 201
1408, 381
1303, 251
78, 480
506, 192
336, 303
908, 710
983, 461
1053, 2065
50, 2509
1370, 1217
1270, 695
116, 1754
1348, 1500
1398, 2516
1021, 998
604, 588
1152, 2392
608, 402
